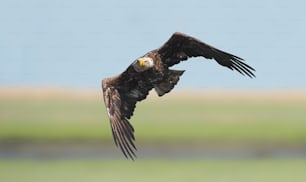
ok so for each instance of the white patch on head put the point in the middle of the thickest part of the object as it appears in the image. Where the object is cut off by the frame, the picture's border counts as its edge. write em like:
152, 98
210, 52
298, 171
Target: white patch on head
148, 63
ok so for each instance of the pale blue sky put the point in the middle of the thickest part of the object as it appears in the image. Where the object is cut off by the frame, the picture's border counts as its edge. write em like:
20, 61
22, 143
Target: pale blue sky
74, 43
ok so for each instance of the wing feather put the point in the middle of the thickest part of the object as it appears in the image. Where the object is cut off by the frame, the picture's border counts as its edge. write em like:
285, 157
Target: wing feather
180, 47
120, 97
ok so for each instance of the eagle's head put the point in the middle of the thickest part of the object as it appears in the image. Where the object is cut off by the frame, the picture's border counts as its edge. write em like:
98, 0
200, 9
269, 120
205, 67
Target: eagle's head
142, 64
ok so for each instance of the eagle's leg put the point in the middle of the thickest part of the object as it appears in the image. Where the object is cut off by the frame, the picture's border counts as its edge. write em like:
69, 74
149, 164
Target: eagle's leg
167, 84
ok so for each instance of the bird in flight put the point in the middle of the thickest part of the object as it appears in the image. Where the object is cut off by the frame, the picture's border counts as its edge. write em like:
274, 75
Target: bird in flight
122, 92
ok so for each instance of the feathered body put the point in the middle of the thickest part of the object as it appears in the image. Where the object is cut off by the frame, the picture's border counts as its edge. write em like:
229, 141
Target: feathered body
121, 93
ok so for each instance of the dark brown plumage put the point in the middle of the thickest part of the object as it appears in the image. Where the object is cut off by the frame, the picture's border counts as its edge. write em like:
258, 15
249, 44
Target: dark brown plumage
121, 93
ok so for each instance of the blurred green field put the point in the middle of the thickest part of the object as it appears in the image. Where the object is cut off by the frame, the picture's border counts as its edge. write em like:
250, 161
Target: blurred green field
153, 170
179, 116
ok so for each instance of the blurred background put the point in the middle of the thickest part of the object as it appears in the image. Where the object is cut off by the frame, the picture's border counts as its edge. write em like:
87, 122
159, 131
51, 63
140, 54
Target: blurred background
216, 125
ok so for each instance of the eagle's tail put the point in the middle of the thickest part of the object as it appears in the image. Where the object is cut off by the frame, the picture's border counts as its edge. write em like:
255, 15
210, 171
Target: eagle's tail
168, 84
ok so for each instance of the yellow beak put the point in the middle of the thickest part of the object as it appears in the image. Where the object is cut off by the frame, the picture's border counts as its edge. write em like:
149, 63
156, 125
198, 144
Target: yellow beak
141, 62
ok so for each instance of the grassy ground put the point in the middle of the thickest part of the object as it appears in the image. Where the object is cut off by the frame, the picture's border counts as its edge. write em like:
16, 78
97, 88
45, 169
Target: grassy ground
209, 117
212, 117
153, 170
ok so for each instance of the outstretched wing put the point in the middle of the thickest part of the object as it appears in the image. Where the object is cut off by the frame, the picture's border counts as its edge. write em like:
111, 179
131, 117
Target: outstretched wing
180, 47
120, 97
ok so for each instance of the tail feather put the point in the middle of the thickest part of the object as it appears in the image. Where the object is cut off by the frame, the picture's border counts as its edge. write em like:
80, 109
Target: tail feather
168, 84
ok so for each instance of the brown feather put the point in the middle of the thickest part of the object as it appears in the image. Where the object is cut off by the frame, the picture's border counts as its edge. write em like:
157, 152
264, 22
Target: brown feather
180, 47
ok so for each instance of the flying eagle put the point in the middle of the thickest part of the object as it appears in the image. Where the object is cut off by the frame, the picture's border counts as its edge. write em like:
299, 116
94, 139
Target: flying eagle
122, 92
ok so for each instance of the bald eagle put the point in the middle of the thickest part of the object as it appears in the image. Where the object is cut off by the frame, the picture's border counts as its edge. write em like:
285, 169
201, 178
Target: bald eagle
122, 92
